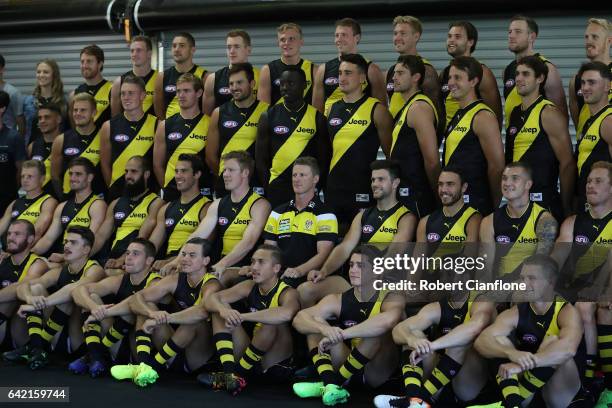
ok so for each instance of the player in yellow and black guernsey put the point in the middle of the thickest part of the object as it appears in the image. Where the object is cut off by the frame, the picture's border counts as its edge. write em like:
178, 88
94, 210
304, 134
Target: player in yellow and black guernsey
305, 229
183, 133
49, 120
81, 141
289, 130
522, 34
128, 134
36, 206
388, 222
461, 41
290, 42
183, 50
233, 125
92, 64
216, 88
358, 125
547, 335
263, 331
141, 50
472, 139
359, 346
407, 32
597, 48
414, 142
326, 90
83, 208
127, 217
518, 229
537, 134
595, 141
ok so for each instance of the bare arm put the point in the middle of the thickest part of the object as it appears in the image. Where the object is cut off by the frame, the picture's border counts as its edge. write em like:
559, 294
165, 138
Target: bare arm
212, 144
314, 319
158, 101
64, 294
421, 118
406, 228
82, 294
563, 248
264, 93
411, 330
97, 213
56, 164
220, 301
159, 153
487, 131
482, 315
570, 335
105, 153
159, 233
384, 126
106, 229
490, 93
44, 219
390, 314
289, 305
150, 222
318, 90
6, 218
48, 279
493, 342
116, 107
546, 231
377, 83
153, 293
430, 86
208, 100
573, 102
263, 160
55, 230
36, 270
553, 89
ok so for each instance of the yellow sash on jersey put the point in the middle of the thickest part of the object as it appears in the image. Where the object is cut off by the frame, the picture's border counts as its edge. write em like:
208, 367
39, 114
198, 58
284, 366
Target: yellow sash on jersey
597, 253
186, 225
590, 139
134, 221
92, 153
530, 130
33, 211
454, 239
402, 119
525, 244
454, 138
207, 277
32, 257
386, 231
150, 91
82, 218
350, 132
193, 143
137, 147
102, 98
233, 234
295, 143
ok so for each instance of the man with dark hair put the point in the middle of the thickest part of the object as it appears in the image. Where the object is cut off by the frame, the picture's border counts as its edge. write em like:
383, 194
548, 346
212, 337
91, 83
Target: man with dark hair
127, 134
472, 140
83, 208
290, 42
595, 140
22, 265
414, 143
49, 117
141, 50
139, 257
326, 89
183, 50
305, 229
547, 332
216, 87
522, 34
289, 130
127, 217
597, 42
461, 41
386, 223
358, 125
182, 133
537, 134
13, 117
51, 293
407, 31
12, 154
360, 345
233, 125
92, 64
261, 337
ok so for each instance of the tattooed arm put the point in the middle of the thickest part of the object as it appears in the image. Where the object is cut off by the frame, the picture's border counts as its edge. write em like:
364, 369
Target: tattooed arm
546, 230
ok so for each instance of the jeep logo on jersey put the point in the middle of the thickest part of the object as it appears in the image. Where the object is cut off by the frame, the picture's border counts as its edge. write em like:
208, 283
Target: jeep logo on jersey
230, 124
367, 229
529, 130
119, 215
71, 151
223, 221
581, 239
357, 122
335, 122
224, 91
509, 83
433, 237
281, 130
277, 82
512, 130
169, 222
37, 157
175, 136
170, 88
529, 338
390, 86
121, 138
331, 81
65, 219
502, 239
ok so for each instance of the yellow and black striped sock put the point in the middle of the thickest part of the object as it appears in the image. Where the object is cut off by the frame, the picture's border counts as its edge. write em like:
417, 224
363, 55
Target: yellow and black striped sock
252, 356
55, 323
92, 338
353, 364
168, 350
323, 364
441, 375
225, 350
35, 326
534, 379
604, 345
412, 375
510, 391
143, 347
117, 332
589, 369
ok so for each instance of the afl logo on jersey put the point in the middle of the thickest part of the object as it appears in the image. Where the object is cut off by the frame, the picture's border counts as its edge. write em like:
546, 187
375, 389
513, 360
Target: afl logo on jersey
223, 221
230, 124
331, 81
349, 323
529, 338
367, 229
14, 214
224, 91
445, 88
502, 239
509, 83
277, 82
119, 215
5, 283
581, 239
390, 86
121, 138
335, 122
37, 157
170, 88
433, 237
512, 131
65, 219
169, 222
579, 92
71, 151
175, 136
281, 130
